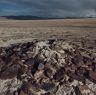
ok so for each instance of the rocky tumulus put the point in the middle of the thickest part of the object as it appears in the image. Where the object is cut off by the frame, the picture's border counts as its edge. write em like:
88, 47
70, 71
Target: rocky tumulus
52, 67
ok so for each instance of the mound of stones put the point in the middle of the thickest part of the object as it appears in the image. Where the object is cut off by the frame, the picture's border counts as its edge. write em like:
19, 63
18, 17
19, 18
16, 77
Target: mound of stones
52, 67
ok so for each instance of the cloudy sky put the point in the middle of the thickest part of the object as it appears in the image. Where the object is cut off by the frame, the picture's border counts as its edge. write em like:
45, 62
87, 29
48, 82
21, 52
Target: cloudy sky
49, 8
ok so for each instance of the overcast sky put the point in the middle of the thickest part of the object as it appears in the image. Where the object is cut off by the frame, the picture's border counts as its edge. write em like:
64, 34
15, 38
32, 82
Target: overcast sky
49, 8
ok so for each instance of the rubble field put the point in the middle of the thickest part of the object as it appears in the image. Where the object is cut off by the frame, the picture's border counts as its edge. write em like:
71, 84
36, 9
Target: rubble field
48, 67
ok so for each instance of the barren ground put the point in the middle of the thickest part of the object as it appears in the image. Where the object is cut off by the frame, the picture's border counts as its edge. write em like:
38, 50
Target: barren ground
12, 31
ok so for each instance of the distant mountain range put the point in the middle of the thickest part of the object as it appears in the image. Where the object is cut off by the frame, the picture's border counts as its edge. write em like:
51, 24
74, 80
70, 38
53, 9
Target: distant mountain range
22, 17
36, 18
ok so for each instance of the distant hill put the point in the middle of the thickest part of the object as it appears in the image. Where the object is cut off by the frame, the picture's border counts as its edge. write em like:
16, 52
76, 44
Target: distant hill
22, 17
27, 18
35, 18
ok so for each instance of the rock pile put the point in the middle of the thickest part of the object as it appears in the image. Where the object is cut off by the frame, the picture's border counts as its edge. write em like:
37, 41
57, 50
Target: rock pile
53, 67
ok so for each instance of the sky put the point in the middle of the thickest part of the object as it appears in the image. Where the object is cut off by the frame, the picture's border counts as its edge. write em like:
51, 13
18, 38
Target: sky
49, 8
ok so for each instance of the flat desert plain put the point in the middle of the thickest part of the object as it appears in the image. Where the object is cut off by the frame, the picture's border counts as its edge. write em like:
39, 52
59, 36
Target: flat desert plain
14, 31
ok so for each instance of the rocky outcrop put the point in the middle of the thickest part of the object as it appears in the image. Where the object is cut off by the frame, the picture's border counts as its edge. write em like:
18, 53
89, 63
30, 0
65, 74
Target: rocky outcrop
52, 67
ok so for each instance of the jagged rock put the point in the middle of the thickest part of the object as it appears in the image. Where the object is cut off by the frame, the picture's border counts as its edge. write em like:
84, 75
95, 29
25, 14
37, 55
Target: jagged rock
29, 54
82, 72
39, 74
9, 51
49, 73
77, 90
65, 90
76, 77
85, 90
59, 75
48, 87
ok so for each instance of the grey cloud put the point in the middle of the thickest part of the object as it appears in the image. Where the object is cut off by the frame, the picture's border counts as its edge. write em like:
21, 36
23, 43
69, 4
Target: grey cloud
51, 8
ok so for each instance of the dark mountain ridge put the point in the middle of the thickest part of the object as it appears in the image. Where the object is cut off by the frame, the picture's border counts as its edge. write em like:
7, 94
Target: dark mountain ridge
22, 17
38, 18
